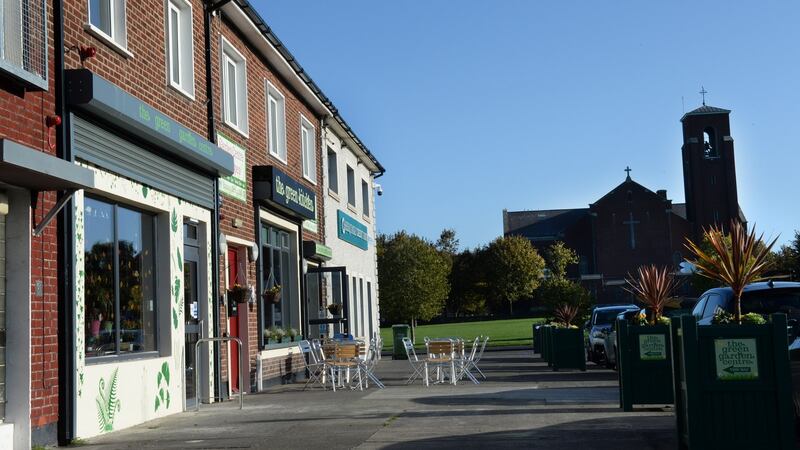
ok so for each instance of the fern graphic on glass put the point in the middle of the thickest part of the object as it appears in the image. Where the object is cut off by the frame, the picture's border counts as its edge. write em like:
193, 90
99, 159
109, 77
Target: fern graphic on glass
107, 403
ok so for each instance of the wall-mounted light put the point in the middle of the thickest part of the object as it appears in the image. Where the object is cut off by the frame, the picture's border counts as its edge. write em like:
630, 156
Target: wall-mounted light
84, 52
223, 243
252, 253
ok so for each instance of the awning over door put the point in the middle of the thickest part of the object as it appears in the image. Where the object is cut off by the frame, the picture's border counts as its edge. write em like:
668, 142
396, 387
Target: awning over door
35, 170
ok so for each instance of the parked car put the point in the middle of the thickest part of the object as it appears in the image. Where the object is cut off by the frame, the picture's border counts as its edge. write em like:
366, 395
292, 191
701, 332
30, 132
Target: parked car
599, 326
763, 298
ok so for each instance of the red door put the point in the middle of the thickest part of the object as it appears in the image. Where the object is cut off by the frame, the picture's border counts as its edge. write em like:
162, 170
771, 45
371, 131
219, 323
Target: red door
233, 324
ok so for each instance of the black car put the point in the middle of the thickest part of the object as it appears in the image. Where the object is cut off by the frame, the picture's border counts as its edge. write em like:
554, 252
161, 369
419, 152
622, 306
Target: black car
599, 326
762, 298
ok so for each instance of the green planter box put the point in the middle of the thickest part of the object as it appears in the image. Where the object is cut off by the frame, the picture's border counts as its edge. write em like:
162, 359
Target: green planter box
644, 361
732, 385
566, 349
537, 339
398, 333
546, 333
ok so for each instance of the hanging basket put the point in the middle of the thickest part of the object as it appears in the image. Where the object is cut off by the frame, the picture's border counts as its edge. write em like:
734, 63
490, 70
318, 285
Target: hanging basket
238, 294
335, 308
273, 297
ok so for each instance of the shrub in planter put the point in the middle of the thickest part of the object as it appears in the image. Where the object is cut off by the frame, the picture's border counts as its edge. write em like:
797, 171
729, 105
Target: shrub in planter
732, 379
278, 334
644, 358
565, 340
293, 335
269, 338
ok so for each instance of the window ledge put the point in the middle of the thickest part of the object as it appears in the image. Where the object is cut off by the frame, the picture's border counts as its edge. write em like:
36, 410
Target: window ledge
236, 129
181, 91
106, 39
310, 180
366, 218
334, 195
352, 208
282, 160
124, 357
281, 345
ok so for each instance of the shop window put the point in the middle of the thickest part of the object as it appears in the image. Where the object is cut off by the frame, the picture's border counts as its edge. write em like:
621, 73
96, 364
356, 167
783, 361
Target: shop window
351, 186
278, 264
333, 171
180, 60
2, 315
364, 198
276, 122
107, 22
23, 40
119, 279
234, 87
309, 152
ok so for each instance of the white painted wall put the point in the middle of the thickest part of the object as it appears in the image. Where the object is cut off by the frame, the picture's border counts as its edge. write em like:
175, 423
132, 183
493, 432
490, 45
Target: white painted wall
361, 264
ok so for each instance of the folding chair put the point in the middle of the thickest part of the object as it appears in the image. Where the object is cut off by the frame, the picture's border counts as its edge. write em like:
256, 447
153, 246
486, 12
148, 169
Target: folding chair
441, 355
342, 358
413, 360
314, 366
468, 362
368, 366
479, 356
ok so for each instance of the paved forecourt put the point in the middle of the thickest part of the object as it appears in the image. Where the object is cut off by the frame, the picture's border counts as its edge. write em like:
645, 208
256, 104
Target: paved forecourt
521, 404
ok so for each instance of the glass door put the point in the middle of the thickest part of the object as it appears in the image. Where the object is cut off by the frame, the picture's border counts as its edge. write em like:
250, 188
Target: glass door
191, 313
326, 302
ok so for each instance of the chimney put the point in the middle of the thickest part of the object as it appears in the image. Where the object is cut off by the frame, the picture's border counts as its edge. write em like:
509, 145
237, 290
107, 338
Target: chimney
662, 193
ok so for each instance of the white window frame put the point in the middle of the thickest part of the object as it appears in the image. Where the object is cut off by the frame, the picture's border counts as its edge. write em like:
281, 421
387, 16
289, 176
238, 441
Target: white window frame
332, 180
117, 39
185, 83
280, 100
365, 207
309, 155
351, 205
229, 54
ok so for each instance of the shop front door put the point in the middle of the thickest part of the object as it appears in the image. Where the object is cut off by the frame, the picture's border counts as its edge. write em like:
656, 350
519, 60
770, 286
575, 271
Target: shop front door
326, 286
233, 325
191, 312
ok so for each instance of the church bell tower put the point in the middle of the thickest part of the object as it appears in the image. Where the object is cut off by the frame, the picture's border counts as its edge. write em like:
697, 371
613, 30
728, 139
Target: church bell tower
709, 170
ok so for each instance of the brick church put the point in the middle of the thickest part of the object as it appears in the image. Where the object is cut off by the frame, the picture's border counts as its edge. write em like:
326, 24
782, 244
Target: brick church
632, 225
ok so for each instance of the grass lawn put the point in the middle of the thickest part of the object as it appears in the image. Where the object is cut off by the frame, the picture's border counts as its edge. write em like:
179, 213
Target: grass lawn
501, 332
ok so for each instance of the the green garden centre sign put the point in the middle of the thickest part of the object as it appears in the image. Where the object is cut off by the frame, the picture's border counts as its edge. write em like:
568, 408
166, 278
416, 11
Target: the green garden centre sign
737, 359
352, 231
234, 186
652, 347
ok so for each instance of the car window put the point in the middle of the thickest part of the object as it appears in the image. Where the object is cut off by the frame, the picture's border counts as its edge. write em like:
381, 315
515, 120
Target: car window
608, 315
714, 302
697, 312
765, 302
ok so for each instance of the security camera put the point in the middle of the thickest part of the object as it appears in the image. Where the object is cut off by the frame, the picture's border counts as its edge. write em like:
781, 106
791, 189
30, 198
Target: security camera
379, 188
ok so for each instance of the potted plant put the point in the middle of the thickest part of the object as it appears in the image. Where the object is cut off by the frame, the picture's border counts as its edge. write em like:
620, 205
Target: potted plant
278, 334
644, 358
738, 366
272, 294
565, 339
269, 339
335, 309
238, 293
293, 334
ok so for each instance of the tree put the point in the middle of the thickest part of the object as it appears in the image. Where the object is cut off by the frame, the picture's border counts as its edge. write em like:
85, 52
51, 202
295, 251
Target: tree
555, 291
467, 283
558, 257
413, 278
513, 269
787, 259
737, 259
447, 242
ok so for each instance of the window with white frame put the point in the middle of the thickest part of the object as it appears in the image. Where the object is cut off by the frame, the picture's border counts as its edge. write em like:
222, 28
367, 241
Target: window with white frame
180, 51
309, 154
351, 186
276, 122
23, 40
333, 171
107, 17
364, 198
234, 87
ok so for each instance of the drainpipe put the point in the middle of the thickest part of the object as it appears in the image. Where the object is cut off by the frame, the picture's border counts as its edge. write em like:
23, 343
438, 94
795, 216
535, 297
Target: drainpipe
66, 324
207, 17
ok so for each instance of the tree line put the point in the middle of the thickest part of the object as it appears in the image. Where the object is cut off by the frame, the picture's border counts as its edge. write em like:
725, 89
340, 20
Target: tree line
421, 280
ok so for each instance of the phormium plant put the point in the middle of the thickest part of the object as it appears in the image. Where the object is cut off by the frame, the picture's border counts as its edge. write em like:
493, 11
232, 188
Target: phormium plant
653, 286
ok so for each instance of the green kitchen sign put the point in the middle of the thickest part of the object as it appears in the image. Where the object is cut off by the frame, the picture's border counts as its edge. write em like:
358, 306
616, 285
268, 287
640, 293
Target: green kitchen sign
352, 231
652, 347
736, 359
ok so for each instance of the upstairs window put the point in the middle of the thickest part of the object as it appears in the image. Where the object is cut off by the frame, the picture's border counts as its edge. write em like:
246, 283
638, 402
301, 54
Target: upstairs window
180, 59
364, 198
333, 171
351, 187
309, 153
23, 40
107, 22
234, 88
276, 122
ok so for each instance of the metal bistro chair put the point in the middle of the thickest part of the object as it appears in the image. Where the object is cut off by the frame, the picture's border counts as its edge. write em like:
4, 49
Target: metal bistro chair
343, 357
468, 362
314, 365
368, 365
413, 360
441, 355
474, 364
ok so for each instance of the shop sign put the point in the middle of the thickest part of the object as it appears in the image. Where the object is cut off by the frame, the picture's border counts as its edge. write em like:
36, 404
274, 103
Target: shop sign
737, 359
234, 186
652, 347
284, 191
315, 250
352, 231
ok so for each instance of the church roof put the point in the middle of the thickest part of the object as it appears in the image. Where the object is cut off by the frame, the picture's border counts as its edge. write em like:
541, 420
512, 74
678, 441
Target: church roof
679, 209
542, 224
705, 109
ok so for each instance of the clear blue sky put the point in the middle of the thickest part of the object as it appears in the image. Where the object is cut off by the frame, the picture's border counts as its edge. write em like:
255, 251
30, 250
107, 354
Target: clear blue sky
476, 106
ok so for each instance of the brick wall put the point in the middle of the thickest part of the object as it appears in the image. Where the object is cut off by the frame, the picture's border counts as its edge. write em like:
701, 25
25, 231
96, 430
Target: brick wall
259, 70
22, 119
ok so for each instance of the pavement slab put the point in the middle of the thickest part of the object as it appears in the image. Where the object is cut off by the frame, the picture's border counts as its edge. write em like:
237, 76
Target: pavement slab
521, 404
